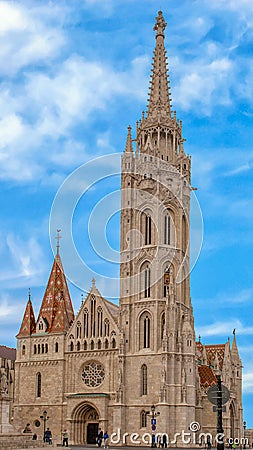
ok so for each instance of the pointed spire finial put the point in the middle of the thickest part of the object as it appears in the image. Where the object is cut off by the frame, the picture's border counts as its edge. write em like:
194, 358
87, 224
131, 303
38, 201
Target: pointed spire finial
93, 281
58, 237
129, 145
29, 294
199, 339
160, 24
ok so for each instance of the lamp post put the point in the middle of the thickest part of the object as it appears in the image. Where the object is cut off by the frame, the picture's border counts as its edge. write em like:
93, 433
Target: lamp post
220, 442
153, 424
44, 417
244, 434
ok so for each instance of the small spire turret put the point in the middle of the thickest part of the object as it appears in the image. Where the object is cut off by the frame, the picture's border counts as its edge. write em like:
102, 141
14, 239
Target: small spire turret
129, 145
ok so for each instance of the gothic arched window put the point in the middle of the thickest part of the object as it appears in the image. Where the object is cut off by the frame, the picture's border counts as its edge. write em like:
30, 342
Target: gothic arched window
107, 327
93, 316
100, 321
162, 324
167, 229
86, 323
78, 346
148, 230
143, 419
38, 384
145, 330
147, 282
144, 380
85, 345
78, 330
56, 348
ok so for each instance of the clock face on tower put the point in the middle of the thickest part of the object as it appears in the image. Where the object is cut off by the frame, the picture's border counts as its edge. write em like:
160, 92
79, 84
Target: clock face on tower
93, 374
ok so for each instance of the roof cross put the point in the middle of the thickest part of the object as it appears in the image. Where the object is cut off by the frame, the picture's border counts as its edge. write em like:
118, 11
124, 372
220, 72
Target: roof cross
58, 237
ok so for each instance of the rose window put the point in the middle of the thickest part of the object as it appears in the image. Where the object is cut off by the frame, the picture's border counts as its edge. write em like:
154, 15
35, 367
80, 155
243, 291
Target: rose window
93, 374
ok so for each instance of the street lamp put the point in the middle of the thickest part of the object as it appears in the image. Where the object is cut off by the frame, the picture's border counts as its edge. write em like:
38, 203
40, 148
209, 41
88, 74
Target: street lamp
244, 434
220, 442
44, 417
153, 424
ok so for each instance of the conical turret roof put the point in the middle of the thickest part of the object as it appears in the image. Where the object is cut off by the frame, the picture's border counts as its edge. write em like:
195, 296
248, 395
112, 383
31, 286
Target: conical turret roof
28, 322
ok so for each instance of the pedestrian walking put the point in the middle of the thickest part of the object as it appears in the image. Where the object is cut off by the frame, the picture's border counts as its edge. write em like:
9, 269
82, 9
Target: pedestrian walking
106, 439
48, 436
100, 437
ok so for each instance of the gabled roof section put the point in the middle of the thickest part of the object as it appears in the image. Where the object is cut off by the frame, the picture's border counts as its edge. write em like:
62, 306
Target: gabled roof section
207, 376
28, 322
7, 353
56, 307
159, 96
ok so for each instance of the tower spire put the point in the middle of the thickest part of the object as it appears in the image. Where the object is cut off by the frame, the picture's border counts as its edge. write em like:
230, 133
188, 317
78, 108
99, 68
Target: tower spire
58, 237
159, 96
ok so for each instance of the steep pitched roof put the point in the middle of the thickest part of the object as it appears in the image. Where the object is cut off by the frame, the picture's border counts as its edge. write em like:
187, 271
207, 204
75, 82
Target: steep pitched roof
212, 351
7, 353
207, 376
28, 322
56, 307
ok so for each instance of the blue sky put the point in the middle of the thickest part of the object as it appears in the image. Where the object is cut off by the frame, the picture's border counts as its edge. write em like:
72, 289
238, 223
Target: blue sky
73, 76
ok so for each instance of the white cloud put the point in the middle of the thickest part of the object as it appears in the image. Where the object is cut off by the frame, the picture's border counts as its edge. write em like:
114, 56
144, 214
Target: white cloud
225, 328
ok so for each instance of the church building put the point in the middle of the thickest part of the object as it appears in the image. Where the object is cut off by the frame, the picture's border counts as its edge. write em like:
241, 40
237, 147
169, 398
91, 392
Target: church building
116, 367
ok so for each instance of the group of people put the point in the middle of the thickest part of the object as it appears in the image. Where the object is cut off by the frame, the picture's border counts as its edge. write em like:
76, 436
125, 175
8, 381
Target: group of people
65, 437
102, 436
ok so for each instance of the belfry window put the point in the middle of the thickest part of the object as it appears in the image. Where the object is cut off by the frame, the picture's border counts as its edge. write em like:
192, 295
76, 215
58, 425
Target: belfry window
147, 282
146, 332
93, 316
100, 321
144, 381
148, 230
167, 230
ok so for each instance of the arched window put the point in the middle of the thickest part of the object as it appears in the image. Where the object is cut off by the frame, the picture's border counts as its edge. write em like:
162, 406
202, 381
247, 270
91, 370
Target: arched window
71, 347
38, 384
93, 316
147, 282
148, 230
78, 330
23, 349
167, 229
100, 321
92, 345
146, 332
78, 346
86, 323
85, 345
106, 343
42, 348
107, 327
46, 348
143, 419
113, 343
99, 344
56, 347
35, 349
144, 381
38, 348
162, 324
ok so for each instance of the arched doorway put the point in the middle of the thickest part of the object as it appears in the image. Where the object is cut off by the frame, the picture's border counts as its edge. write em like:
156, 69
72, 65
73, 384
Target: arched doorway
232, 421
85, 420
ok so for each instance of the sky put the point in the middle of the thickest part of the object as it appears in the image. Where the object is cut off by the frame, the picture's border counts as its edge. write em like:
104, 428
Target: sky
74, 74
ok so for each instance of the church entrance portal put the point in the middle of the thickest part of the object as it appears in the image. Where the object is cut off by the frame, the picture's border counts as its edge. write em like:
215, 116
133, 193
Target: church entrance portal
85, 420
92, 432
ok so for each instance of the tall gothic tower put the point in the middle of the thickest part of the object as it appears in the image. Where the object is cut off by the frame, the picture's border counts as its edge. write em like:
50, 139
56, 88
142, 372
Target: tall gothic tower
157, 319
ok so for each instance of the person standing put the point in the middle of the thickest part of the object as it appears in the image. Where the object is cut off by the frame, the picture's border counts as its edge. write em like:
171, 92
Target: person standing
48, 436
100, 437
106, 439
65, 438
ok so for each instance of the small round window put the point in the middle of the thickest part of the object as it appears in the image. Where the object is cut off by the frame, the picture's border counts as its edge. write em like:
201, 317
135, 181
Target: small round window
93, 374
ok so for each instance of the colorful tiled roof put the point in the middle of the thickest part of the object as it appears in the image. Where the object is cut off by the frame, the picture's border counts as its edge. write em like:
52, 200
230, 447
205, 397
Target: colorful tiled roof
212, 351
207, 376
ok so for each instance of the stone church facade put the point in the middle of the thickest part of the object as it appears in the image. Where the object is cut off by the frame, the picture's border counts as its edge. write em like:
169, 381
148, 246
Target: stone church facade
107, 365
